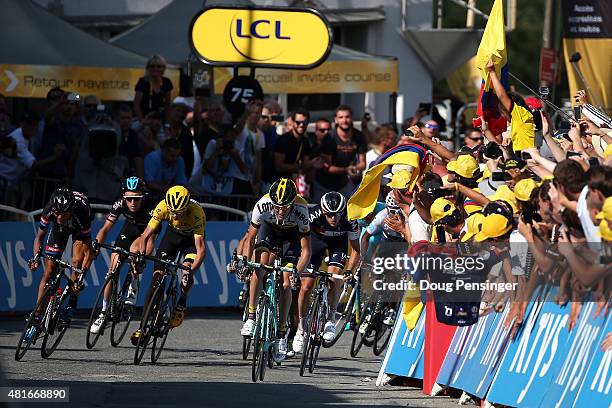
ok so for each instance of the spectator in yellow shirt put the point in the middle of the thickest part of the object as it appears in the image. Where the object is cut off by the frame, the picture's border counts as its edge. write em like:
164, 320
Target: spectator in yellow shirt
514, 109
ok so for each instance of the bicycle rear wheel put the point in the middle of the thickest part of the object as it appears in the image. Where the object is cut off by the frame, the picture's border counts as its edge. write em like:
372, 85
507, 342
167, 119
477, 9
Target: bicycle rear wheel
246, 340
55, 329
24, 344
92, 338
122, 313
312, 328
383, 334
343, 313
259, 338
147, 323
162, 328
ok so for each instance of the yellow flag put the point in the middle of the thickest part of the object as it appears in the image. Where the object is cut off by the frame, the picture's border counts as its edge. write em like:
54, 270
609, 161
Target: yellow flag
493, 44
363, 201
412, 307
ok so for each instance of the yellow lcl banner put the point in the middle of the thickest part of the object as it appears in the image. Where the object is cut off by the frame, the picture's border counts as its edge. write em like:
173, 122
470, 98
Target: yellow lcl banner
331, 77
110, 84
270, 37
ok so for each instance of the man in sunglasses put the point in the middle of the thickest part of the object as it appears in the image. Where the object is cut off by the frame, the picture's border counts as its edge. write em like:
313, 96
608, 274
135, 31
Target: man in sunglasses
331, 230
137, 208
292, 151
67, 214
473, 138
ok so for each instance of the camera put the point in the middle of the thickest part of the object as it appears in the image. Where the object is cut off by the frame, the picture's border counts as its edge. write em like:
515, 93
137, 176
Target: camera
228, 144
500, 176
544, 91
493, 151
525, 156
408, 133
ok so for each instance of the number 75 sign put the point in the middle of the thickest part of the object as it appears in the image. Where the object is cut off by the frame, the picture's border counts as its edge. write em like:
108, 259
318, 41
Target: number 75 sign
239, 91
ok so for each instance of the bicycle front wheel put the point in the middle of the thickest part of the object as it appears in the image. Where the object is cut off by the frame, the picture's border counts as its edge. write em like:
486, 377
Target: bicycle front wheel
343, 313
55, 328
92, 338
147, 323
308, 335
259, 338
162, 328
122, 313
24, 341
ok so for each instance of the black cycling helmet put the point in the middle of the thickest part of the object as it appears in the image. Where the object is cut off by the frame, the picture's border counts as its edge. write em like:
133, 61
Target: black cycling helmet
62, 200
283, 192
133, 184
333, 202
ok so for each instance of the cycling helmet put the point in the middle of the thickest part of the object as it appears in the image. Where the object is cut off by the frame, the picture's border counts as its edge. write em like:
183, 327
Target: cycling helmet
333, 202
177, 198
62, 200
391, 204
283, 192
133, 184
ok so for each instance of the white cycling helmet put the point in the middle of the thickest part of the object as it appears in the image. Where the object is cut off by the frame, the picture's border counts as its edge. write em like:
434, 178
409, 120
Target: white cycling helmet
333, 202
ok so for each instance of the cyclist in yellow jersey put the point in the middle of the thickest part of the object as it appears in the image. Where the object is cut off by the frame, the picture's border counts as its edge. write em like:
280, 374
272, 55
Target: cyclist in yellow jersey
185, 234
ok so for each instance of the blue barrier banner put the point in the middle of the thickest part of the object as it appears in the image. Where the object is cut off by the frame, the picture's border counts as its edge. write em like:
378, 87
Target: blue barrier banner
473, 357
583, 367
595, 389
529, 364
404, 355
213, 286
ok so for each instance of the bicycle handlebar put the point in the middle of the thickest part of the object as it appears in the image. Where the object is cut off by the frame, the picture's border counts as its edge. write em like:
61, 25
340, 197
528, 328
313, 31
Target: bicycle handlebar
290, 270
140, 256
65, 264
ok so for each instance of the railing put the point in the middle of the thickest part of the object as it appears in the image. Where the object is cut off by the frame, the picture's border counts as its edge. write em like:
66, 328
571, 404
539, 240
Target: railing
102, 209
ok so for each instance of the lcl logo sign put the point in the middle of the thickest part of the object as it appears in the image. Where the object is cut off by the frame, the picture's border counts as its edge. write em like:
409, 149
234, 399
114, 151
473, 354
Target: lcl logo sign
253, 29
270, 37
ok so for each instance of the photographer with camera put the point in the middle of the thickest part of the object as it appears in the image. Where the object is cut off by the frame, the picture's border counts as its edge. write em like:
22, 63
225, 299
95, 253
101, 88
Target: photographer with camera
216, 174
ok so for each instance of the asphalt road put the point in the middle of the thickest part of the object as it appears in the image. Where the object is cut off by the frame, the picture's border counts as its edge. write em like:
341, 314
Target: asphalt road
200, 366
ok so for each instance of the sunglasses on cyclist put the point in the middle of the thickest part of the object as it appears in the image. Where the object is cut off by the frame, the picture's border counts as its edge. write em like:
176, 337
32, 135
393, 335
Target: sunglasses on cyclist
301, 123
333, 216
178, 213
282, 207
129, 199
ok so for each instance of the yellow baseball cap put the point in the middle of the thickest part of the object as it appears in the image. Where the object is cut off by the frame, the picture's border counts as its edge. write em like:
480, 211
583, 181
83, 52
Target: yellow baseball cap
606, 210
608, 152
493, 226
504, 193
467, 166
451, 166
524, 188
401, 179
605, 231
441, 208
474, 225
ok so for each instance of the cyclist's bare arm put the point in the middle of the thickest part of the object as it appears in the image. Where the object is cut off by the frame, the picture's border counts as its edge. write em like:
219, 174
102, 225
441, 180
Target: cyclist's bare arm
200, 244
101, 236
40, 236
304, 254
249, 241
355, 255
148, 234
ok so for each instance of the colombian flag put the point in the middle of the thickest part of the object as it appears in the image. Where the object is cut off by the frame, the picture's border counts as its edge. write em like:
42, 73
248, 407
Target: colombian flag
493, 45
363, 200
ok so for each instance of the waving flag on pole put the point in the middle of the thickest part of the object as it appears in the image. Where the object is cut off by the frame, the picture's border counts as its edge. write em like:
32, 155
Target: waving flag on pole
363, 200
493, 46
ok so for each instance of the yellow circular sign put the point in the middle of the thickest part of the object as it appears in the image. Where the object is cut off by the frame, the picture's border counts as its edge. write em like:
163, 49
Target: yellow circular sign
287, 38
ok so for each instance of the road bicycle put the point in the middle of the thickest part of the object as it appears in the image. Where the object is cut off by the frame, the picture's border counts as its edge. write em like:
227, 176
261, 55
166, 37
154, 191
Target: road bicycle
155, 323
267, 317
117, 313
317, 317
49, 315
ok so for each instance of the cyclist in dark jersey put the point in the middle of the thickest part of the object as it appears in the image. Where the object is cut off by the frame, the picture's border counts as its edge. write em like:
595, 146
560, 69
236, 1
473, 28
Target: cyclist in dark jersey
66, 214
137, 208
331, 233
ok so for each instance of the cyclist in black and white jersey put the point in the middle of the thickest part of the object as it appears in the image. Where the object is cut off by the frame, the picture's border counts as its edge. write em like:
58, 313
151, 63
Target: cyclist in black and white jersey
279, 226
137, 208
331, 233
